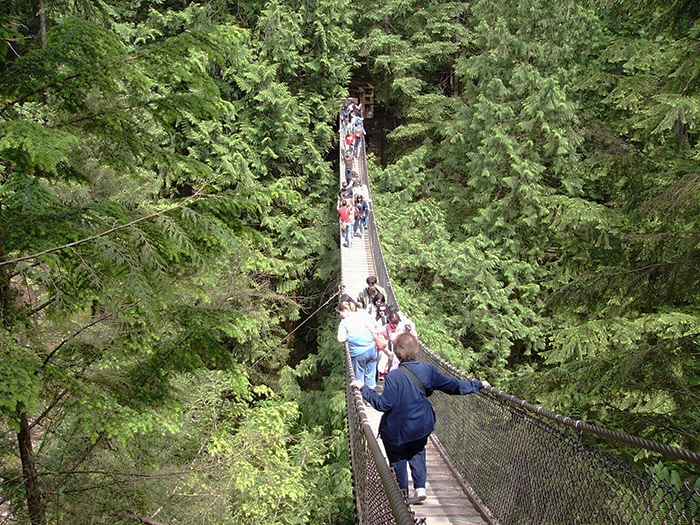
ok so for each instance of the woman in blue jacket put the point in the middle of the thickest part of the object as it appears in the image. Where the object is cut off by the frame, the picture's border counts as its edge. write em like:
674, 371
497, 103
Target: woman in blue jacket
408, 417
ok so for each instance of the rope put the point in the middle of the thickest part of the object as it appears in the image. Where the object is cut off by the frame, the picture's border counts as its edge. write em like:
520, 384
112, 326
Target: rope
270, 348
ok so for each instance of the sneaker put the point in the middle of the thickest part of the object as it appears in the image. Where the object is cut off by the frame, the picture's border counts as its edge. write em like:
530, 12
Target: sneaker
418, 496
345, 245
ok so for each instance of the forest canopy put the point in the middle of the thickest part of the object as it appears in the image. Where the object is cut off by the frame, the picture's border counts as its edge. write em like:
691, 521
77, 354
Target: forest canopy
540, 184
163, 201
167, 221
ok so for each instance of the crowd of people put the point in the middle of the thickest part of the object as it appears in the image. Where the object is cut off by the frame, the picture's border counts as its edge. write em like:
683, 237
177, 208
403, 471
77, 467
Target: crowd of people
353, 126
383, 348
369, 319
383, 344
353, 207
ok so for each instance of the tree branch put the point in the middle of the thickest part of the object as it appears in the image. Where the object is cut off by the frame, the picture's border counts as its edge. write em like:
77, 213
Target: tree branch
48, 409
5, 107
101, 234
73, 336
39, 308
135, 517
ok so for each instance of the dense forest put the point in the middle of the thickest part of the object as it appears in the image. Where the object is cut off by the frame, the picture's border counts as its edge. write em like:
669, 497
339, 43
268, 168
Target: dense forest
169, 249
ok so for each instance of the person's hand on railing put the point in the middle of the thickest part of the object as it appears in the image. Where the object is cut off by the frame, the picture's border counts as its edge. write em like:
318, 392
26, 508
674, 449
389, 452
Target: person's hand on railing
356, 384
485, 384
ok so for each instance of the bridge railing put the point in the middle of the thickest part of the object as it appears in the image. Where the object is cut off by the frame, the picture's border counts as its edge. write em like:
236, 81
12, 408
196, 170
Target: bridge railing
525, 465
378, 499
526, 468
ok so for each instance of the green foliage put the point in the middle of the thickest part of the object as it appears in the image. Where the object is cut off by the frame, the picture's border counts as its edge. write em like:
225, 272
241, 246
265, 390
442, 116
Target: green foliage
540, 194
466, 281
494, 157
19, 386
163, 192
221, 451
33, 148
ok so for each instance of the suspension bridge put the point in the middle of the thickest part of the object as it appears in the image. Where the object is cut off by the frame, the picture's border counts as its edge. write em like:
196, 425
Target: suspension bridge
499, 460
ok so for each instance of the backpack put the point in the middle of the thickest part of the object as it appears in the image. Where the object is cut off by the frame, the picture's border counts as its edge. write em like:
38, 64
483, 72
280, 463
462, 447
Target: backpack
358, 132
349, 139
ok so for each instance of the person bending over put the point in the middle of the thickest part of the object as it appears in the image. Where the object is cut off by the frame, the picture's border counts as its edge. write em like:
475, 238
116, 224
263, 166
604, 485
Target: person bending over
408, 417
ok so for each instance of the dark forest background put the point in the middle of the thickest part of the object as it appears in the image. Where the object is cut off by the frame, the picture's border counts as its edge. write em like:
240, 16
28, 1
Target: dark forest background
168, 237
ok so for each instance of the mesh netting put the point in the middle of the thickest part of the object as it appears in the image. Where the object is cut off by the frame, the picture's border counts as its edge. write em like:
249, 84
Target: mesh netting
527, 470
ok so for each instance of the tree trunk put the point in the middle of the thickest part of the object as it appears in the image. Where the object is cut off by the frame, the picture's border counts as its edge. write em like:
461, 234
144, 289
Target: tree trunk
42, 23
35, 501
5, 291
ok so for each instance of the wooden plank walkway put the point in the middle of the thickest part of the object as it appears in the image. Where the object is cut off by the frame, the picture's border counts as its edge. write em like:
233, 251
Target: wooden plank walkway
447, 502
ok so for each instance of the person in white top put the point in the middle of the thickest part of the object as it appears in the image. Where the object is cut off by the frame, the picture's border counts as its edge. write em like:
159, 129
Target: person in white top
356, 328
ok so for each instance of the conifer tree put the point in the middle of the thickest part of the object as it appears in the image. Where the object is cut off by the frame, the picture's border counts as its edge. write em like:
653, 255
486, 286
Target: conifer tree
152, 229
542, 215
624, 356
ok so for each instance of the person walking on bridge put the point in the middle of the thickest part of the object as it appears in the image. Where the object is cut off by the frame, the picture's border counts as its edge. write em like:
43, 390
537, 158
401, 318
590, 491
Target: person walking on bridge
357, 329
367, 295
349, 161
359, 134
387, 360
346, 212
361, 222
408, 418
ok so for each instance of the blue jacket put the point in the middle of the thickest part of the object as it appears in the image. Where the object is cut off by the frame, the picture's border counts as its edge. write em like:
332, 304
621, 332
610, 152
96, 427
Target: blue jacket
408, 415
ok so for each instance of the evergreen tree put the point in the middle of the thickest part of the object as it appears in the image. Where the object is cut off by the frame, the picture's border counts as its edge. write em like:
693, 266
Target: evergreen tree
155, 219
542, 215
627, 319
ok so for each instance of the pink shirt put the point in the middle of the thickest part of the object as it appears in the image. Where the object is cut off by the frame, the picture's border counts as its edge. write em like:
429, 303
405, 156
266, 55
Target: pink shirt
392, 333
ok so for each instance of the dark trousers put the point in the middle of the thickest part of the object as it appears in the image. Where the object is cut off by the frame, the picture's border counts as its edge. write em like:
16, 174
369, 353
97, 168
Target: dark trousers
412, 452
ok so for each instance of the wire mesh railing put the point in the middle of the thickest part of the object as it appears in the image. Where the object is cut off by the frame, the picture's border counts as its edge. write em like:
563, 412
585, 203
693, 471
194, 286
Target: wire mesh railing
528, 470
525, 464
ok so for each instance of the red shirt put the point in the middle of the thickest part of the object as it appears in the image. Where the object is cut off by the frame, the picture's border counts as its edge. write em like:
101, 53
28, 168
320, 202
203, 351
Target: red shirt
345, 214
